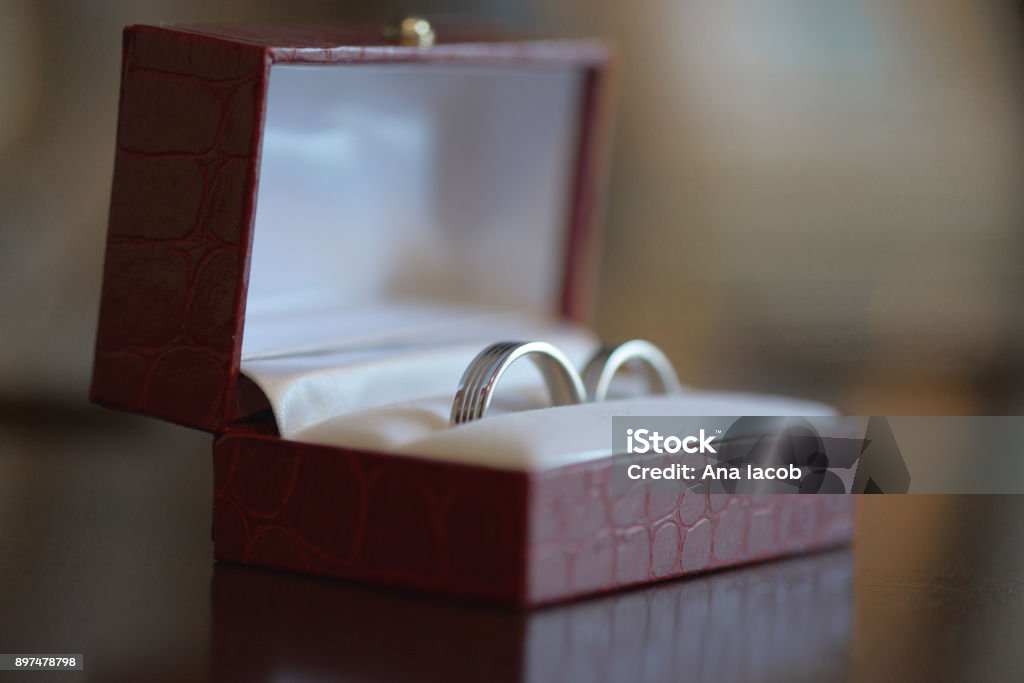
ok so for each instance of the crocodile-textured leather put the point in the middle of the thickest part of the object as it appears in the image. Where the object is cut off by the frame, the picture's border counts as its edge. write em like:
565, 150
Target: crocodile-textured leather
507, 536
180, 218
184, 193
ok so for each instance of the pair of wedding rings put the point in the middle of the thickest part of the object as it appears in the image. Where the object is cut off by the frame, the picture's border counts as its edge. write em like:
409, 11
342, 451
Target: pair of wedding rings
564, 384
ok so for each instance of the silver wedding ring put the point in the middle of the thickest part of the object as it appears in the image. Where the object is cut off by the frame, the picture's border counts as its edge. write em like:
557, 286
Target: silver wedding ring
655, 366
476, 388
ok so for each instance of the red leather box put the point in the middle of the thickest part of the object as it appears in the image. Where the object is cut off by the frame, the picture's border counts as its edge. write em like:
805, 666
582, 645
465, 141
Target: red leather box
311, 226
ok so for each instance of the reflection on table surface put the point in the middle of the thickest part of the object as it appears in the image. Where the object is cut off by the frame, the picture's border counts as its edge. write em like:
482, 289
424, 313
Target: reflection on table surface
104, 550
750, 624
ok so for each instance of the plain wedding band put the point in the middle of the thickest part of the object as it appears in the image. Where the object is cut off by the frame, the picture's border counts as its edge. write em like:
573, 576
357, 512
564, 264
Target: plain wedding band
476, 388
657, 369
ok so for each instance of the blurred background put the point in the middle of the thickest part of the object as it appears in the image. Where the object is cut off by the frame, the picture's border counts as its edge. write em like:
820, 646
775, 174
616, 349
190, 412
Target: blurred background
814, 197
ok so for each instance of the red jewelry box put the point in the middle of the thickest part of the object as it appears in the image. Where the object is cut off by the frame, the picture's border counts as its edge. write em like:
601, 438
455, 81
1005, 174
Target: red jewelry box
465, 174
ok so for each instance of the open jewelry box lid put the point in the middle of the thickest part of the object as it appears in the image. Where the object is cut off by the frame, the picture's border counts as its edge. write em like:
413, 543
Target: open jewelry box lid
277, 189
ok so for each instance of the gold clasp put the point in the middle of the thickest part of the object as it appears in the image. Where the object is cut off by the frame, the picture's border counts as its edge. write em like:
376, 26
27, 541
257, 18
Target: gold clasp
411, 31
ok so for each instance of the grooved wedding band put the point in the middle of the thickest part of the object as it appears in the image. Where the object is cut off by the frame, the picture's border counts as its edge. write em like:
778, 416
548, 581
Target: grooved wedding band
656, 367
476, 388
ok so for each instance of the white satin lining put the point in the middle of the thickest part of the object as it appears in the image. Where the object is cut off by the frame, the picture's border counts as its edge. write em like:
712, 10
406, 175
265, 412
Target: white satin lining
393, 393
426, 181
309, 388
530, 440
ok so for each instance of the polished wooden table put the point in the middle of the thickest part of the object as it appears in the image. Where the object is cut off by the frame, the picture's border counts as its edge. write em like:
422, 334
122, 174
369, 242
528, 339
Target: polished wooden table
104, 550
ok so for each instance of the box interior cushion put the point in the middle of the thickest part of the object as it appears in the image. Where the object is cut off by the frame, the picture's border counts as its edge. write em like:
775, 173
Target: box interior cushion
533, 439
420, 357
395, 396
383, 183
